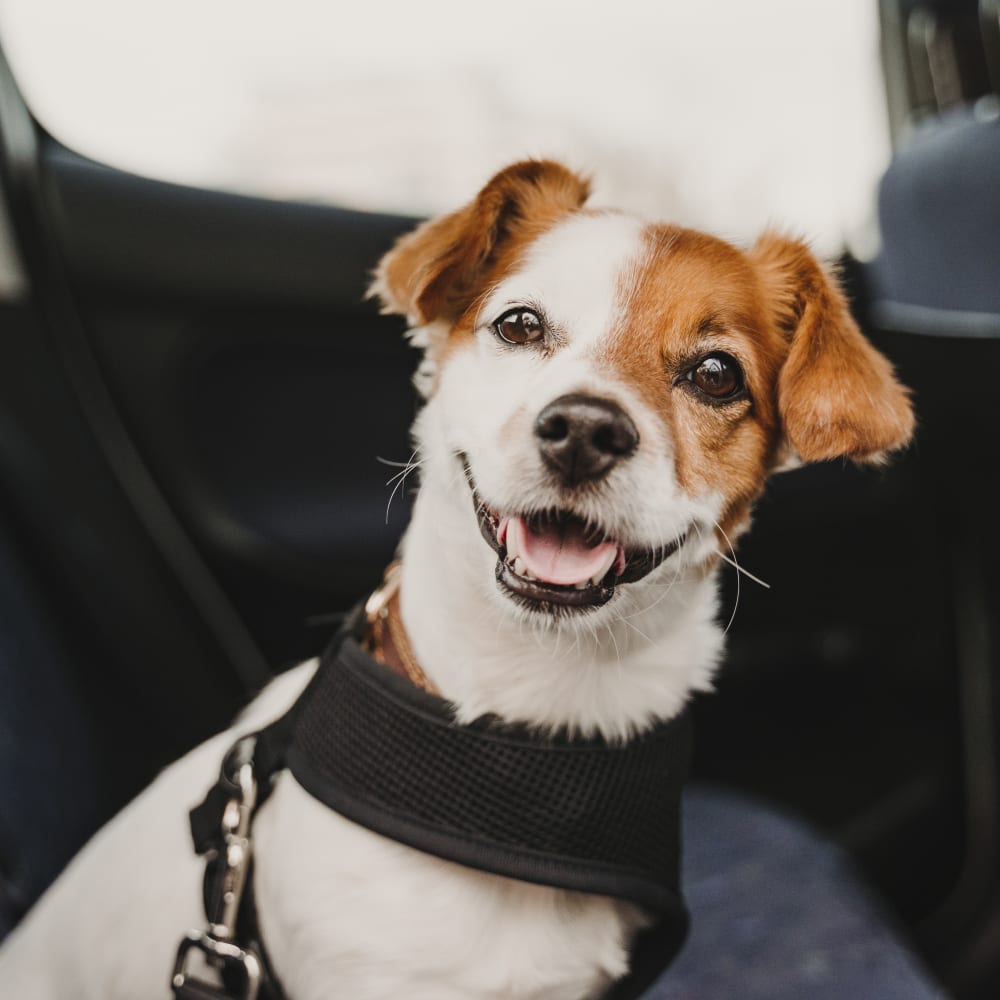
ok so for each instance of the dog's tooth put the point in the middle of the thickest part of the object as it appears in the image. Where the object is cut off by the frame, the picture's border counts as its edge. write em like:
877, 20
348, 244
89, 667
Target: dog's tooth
516, 565
583, 585
512, 550
609, 560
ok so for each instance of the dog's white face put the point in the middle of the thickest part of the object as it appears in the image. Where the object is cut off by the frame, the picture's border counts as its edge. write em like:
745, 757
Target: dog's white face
607, 397
572, 475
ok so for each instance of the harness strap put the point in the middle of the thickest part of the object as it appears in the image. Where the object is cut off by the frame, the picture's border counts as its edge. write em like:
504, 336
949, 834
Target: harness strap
579, 814
574, 814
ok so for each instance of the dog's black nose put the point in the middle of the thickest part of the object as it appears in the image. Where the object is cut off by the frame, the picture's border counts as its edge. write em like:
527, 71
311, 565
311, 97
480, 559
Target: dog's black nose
582, 437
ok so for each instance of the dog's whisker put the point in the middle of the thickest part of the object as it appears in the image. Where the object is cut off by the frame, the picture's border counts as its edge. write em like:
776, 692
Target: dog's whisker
404, 467
400, 478
736, 602
403, 473
636, 629
640, 612
740, 569
457, 474
666, 588
614, 642
398, 465
392, 495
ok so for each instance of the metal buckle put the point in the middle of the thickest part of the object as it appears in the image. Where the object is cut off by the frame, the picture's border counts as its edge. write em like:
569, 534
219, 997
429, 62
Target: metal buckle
220, 954
378, 601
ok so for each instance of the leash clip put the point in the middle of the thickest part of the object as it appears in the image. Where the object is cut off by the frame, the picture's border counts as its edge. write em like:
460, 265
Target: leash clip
217, 944
221, 955
236, 847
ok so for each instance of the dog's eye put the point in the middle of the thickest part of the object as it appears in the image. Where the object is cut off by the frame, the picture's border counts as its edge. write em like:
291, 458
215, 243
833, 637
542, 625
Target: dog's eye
718, 376
520, 326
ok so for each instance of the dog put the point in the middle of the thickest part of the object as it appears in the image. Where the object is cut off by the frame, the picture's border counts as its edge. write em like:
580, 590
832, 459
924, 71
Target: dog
604, 401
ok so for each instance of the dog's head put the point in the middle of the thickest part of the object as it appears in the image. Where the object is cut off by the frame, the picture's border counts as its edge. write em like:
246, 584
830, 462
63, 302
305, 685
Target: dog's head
610, 396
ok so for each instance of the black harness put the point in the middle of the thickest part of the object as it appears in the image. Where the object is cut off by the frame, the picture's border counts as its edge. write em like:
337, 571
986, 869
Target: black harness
585, 815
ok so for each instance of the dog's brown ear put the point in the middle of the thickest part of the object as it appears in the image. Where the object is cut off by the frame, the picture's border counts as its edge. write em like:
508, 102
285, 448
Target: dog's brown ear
837, 396
435, 272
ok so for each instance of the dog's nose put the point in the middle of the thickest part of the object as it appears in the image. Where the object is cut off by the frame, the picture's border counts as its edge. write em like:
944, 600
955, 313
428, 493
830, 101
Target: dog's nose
581, 437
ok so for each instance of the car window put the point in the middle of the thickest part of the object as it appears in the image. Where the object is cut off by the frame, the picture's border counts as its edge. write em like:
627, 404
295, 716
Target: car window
728, 115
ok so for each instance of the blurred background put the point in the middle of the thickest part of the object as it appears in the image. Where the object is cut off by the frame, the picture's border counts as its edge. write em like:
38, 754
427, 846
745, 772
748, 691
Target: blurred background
194, 394
726, 115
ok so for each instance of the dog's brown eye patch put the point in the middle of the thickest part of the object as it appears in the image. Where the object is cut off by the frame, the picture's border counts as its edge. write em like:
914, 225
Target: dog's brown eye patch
520, 326
718, 376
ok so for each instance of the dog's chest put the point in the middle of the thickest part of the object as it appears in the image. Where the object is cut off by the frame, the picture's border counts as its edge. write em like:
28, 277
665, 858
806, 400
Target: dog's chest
346, 912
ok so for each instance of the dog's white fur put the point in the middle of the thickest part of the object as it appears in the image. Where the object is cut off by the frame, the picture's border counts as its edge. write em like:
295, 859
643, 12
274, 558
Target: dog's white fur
486, 401
344, 912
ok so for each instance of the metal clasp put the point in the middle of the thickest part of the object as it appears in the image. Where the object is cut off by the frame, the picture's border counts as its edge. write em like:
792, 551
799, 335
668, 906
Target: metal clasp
220, 954
236, 843
378, 601
217, 944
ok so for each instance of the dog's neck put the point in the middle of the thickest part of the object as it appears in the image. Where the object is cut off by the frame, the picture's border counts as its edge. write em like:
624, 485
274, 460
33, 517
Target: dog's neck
614, 675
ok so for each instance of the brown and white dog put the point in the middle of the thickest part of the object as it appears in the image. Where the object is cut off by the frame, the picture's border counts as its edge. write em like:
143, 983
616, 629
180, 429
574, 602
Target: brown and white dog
605, 400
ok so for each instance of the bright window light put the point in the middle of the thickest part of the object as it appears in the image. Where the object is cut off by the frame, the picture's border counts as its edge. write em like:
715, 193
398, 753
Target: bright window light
725, 115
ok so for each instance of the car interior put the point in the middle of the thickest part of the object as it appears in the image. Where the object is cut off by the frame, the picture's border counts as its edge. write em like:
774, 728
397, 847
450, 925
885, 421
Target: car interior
195, 392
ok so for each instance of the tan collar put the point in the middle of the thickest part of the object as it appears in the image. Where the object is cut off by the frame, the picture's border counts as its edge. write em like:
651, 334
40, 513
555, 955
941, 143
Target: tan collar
386, 638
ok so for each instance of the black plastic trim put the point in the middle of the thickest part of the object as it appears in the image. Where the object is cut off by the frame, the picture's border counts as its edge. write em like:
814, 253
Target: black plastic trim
21, 143
135, 233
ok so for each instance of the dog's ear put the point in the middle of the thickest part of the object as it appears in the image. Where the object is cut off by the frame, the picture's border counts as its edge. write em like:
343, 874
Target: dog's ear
435, 272
837, 396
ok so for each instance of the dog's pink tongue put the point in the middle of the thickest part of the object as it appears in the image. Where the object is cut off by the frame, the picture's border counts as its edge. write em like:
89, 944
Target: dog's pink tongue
559, 556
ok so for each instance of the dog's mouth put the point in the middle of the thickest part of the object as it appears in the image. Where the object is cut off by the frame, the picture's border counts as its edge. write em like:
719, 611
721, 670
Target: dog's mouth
555, 557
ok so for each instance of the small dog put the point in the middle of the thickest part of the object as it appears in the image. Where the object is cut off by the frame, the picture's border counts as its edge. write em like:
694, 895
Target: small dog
605, 399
